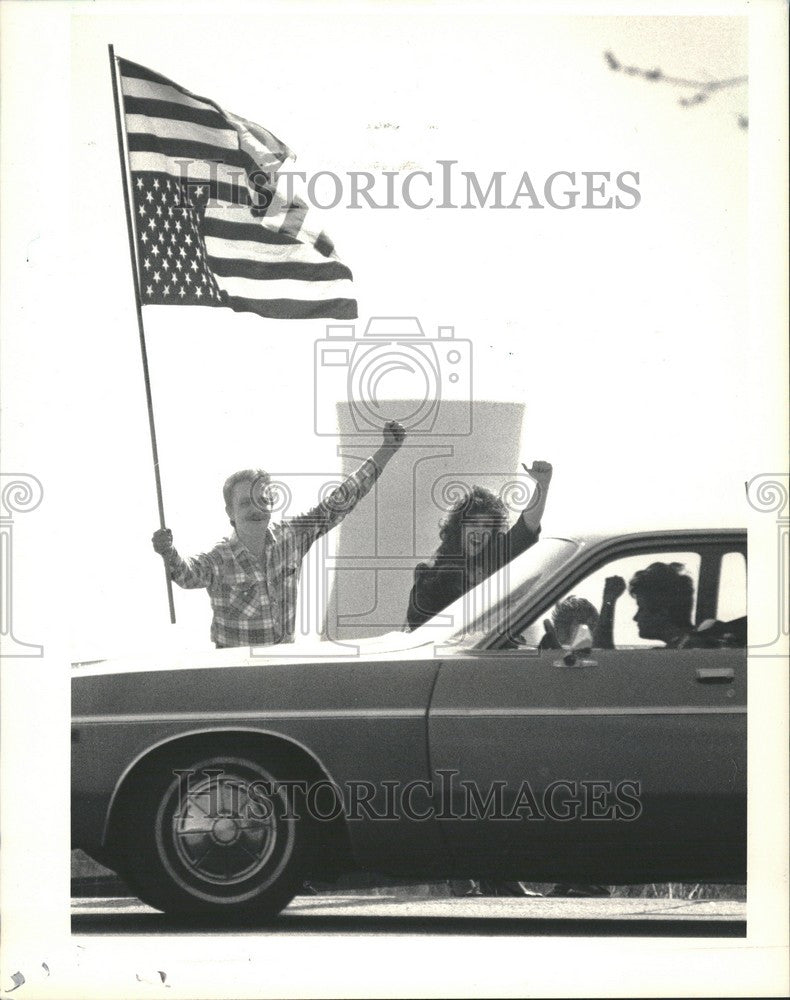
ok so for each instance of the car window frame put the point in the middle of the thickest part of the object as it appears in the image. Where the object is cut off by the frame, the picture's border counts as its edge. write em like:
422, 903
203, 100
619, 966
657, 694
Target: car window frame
710, 546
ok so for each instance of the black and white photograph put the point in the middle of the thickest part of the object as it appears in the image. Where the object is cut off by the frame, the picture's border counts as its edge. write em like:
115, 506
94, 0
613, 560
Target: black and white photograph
395, 500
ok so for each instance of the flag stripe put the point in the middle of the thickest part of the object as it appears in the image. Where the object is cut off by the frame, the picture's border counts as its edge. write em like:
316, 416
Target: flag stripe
187, 150
289, 250
163, 92
314, 291
173, 112
219, 222
167, 128
325, 271
133, 69
324, 245
296, 308
295, 217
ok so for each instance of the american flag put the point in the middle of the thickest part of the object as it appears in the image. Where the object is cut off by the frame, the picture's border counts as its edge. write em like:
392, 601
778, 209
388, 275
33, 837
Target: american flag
216, 222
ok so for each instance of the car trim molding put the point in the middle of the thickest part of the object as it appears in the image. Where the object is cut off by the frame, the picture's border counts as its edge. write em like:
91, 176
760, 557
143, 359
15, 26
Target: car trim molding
625, 710
413, 713
261, 715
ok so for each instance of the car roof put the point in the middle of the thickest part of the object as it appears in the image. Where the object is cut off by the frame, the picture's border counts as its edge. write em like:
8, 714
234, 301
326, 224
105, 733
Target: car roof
593, 538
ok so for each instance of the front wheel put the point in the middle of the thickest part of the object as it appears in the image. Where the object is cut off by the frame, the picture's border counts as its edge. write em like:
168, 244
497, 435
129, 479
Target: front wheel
209, 834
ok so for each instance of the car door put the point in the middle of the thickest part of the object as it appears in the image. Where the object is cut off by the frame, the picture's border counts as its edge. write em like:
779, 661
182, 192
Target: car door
622, 764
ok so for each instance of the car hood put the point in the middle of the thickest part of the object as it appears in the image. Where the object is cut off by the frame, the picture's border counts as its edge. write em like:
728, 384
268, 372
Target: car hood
392, 645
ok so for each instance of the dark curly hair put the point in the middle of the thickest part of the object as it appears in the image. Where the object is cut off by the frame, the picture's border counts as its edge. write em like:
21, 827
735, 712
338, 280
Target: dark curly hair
665, 587
479, 504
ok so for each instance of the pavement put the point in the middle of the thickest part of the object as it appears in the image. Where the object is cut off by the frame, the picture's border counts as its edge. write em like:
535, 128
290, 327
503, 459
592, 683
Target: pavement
363, 913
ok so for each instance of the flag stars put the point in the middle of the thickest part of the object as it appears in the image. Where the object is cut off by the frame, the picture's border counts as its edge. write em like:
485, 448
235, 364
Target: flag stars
171, 252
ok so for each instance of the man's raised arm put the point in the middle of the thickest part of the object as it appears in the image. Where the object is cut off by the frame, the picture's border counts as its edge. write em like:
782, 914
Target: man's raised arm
344, 498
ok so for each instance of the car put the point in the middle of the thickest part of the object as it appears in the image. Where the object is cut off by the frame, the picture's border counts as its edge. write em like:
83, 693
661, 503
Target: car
217, 784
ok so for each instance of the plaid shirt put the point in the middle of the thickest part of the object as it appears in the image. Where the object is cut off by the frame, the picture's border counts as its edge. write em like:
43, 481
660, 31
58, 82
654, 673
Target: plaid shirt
254, 601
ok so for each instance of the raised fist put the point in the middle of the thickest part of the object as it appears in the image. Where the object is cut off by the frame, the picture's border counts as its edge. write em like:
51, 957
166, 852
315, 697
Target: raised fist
394, 434
540, 473
613, 588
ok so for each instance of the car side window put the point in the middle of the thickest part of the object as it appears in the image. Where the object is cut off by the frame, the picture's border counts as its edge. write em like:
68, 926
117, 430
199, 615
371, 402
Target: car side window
666, 584
731, 602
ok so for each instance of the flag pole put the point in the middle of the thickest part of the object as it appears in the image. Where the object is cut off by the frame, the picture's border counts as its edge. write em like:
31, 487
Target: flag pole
141, 329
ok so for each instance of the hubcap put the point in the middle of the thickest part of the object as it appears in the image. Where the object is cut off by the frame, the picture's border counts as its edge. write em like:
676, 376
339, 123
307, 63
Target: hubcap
220, 834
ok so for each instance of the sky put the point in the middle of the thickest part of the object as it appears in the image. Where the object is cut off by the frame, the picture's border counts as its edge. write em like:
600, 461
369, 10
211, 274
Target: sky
641, 351
621, 332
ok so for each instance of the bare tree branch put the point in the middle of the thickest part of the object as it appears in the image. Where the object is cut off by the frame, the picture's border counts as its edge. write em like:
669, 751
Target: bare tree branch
703, 88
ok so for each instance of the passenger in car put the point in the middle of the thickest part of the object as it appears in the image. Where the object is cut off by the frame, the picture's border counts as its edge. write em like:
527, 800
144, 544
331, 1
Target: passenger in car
252, 576
474, 542
574, 611
665, 595
566, 617
569, 614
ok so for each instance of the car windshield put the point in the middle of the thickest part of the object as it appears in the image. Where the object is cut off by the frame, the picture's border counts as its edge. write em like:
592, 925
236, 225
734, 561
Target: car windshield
487, 608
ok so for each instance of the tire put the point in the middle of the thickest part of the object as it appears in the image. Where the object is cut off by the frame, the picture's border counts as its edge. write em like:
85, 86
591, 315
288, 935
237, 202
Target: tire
199, 844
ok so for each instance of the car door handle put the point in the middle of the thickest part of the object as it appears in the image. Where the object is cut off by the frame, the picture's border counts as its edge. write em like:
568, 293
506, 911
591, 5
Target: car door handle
573, 660
715, 675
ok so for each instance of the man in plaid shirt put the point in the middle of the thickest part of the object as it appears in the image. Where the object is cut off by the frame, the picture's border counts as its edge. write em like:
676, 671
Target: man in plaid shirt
252, 576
